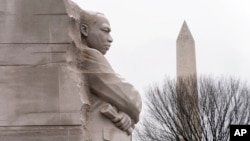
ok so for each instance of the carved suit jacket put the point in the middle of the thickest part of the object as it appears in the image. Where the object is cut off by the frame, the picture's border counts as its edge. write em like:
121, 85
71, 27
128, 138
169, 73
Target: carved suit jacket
103, 86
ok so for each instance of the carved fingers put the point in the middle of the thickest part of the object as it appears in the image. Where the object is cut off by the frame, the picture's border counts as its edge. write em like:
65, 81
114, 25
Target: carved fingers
123, 121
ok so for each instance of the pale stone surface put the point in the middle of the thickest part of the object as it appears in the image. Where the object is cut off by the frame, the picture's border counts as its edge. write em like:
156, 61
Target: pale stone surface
41, 133
35, 85
25, 96
186, 73
186, 63
99, 85
41, 95
32, 54
33, 21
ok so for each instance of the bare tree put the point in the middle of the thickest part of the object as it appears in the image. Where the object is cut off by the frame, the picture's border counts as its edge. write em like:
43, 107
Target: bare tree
184, 112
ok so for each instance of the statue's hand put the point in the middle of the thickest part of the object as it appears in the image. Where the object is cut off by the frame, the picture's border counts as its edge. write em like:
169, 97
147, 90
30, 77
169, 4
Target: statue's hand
120, 119
123, 121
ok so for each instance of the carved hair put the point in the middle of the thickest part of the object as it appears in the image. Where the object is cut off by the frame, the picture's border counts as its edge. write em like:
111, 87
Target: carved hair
88, 17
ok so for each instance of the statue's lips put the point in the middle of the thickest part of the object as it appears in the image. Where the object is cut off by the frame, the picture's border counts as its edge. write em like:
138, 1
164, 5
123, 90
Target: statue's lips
107, 46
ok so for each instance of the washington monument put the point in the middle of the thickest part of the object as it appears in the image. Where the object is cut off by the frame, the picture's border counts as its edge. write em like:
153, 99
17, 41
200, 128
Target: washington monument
185, 53
187, 94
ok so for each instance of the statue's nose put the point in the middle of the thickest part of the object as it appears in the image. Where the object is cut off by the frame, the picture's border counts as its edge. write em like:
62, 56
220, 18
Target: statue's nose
110, 39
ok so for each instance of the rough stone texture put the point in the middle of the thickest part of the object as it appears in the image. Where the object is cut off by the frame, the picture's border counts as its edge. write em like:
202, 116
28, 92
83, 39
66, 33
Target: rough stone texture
41, 133
35, 85
38, 98
32, 54
111, 105
186, 64
33, 21
40, 95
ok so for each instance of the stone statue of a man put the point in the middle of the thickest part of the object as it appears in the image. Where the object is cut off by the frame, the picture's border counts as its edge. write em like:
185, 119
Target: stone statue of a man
111, 106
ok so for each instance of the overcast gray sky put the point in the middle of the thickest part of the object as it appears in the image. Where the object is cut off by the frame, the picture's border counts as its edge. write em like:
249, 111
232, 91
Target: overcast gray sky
145, 32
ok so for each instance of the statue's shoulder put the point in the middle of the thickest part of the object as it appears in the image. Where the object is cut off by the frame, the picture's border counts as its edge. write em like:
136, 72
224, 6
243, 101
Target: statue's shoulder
84, 51
92, 51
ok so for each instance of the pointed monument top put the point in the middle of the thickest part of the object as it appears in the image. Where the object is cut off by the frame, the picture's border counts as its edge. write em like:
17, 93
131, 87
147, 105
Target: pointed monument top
185, 33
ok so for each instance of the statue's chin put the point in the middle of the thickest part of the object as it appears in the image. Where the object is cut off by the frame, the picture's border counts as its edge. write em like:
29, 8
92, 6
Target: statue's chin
104, 52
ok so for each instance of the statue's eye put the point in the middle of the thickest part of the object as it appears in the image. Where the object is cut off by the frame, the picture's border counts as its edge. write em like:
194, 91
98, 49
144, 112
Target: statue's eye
106, 30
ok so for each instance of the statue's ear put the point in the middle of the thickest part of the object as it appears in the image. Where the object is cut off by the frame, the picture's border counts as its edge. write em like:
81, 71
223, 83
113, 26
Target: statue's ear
84, 30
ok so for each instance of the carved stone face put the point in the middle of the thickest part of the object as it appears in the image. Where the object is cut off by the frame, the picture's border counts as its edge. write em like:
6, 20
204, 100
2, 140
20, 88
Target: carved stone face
98, 35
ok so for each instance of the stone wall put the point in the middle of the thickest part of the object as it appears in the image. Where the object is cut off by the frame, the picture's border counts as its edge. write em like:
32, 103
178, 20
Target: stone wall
36, 90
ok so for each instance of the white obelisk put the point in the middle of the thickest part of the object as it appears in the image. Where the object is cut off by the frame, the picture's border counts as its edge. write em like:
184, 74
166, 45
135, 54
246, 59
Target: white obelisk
185, 53
187, 94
